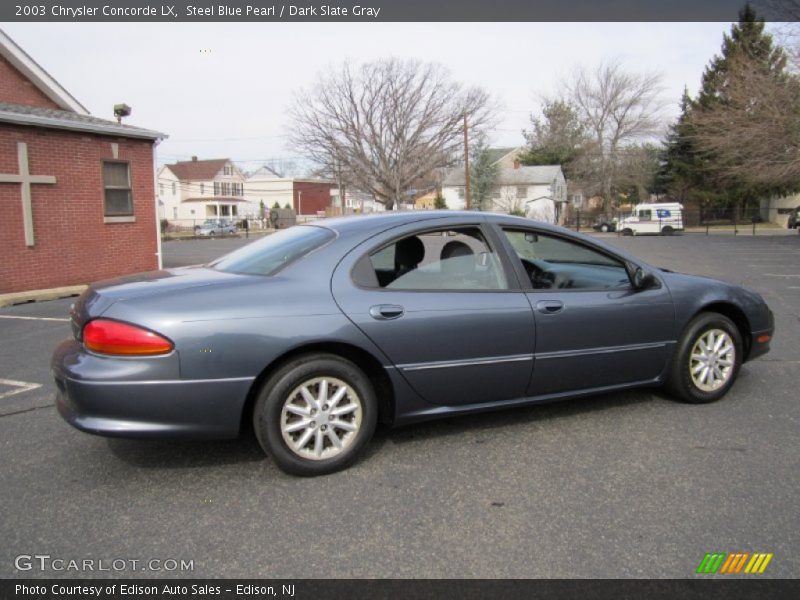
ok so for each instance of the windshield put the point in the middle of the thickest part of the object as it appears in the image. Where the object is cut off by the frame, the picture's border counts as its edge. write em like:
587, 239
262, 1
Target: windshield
269, 255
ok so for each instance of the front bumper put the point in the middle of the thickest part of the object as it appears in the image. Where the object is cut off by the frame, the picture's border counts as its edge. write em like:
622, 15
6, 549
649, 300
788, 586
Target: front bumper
135, 404
760, 340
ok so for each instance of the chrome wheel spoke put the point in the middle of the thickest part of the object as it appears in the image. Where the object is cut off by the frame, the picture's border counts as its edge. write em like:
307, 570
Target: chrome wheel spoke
323, 393
318, 443
300, 443
346, 425
334, 438
337, 397
308, 397
297, 426
298, 410
343, 410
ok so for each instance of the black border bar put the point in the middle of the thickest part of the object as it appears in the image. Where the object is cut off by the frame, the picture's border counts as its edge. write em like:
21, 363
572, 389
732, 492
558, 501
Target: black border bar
371, 11
714, 588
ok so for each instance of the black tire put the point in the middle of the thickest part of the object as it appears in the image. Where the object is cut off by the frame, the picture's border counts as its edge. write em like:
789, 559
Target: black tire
680, 382
604, 228
627, 231
277, 392
667, 230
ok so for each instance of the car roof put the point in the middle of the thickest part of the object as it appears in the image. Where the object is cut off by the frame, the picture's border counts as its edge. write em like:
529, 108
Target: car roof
389, 219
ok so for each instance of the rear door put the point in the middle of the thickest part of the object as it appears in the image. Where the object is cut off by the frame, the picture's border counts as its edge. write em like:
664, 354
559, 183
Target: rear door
445, 308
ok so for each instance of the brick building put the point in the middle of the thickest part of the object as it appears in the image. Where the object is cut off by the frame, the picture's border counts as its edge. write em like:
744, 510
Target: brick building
77, 192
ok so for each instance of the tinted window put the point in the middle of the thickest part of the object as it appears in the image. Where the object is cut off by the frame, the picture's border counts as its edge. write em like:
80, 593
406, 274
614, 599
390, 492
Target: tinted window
456, 259
556, 263
268, 255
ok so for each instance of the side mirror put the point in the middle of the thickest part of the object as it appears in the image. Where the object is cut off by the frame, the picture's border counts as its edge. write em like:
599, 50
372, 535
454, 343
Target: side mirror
643, 280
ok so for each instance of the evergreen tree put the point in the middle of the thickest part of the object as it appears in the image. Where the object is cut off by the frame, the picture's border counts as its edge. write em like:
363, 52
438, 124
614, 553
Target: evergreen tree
483, 175
703, 151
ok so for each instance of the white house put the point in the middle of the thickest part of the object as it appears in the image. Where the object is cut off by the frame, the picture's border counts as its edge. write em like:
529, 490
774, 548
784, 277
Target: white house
308, 196
539, 192
777, 210
195, 190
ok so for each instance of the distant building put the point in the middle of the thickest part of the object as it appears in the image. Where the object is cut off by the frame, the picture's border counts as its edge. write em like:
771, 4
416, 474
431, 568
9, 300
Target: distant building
195, 190
540, 192
306, 196
76, 191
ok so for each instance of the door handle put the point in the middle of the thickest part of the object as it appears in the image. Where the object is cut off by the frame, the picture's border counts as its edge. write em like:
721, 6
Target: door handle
549, 307
385, 312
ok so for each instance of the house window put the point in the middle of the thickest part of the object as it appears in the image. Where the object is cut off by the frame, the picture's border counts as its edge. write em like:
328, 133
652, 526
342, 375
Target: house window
174, 188
117, 184
522, 192
461, 193
160, 189
202, 189
227, 170
174, 212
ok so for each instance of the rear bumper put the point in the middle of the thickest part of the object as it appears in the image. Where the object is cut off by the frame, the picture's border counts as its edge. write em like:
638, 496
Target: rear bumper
145, 408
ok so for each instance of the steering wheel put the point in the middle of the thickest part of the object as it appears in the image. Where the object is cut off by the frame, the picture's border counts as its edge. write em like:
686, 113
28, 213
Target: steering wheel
541, 279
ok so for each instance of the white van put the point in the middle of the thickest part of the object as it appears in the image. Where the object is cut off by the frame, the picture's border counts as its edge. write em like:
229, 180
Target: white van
658, 217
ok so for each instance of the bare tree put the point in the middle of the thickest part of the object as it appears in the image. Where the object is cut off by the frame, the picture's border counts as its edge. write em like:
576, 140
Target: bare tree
383, 125
753, 137
617, 108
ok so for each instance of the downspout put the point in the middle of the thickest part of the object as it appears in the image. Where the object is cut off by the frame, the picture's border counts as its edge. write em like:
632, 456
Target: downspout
155, 195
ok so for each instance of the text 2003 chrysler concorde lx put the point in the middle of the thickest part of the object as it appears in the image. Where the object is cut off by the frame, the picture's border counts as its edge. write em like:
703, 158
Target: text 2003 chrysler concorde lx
318, 332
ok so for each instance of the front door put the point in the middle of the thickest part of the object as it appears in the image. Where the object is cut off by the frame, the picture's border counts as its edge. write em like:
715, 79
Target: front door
593, 330
440, 306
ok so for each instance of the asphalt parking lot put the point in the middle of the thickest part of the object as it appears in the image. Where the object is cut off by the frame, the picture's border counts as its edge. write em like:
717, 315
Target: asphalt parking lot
623, 485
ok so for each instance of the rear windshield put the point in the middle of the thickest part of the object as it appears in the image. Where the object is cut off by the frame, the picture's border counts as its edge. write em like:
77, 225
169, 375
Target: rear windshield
269, 255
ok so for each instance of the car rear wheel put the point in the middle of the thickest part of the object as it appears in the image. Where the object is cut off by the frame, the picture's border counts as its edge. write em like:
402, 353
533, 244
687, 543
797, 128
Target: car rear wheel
627, 231
667, 230
315, 414
707, 359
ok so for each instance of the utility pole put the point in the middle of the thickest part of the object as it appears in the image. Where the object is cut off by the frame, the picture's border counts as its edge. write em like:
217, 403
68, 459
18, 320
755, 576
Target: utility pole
467, 195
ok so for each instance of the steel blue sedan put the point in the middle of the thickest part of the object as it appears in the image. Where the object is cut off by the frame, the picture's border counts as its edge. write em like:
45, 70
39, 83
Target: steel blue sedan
318, 332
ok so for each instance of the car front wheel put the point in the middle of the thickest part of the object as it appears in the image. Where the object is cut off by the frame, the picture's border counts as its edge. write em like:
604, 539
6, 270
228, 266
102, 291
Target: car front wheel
315, 414
707, 359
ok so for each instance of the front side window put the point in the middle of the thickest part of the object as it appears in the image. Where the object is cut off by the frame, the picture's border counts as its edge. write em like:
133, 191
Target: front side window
553, 262
117, 184
268, 255
450, 259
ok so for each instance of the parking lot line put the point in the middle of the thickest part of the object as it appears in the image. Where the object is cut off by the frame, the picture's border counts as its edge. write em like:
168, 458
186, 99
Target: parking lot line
779, 275
33, 318
22, 386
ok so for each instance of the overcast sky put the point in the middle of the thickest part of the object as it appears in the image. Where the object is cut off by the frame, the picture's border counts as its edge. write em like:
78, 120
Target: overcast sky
221, 90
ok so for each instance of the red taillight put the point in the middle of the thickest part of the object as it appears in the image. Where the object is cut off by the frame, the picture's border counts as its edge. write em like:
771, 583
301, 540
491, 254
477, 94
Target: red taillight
113, 337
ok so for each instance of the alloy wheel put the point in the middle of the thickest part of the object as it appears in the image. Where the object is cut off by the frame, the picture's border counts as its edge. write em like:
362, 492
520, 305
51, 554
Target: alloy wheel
712, 359
321, 418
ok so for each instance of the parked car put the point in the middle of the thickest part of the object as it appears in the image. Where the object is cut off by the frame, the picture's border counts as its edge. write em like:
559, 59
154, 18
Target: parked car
605, 224
794, 219
213, 227
318, 332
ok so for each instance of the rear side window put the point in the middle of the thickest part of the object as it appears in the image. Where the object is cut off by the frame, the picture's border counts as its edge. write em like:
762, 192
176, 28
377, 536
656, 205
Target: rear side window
447, 259
269, 255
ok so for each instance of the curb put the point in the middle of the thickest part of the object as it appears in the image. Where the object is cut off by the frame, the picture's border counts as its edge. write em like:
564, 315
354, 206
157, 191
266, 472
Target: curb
41, 295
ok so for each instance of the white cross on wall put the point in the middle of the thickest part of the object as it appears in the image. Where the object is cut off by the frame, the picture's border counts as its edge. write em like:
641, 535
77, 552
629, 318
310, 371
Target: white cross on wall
26, 179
